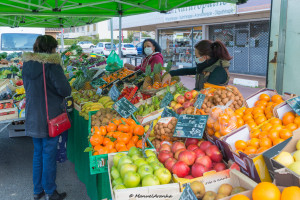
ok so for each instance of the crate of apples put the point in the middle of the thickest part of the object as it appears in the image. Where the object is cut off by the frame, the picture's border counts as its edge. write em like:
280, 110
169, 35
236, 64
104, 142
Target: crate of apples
183, 102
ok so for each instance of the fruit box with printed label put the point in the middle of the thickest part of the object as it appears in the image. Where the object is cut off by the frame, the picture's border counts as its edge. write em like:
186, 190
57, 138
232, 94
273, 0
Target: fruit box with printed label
252, 165
170, 191
211, 175
8, 110
143, 120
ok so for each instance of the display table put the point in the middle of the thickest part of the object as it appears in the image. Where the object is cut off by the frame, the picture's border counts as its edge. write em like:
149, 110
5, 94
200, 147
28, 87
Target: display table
96, 185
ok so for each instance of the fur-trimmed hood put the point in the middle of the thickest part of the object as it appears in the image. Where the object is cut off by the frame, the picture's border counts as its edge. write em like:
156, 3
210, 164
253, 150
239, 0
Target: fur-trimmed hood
42, 57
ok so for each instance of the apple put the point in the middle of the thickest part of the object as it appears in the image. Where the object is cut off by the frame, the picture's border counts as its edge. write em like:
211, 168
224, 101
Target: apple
199, 153
173, 104
199, 143
214, 153
189, 177
177, 106
219, 167
192, 147
115, 174
298, 145
145, 170
139, 162
119, 187
194, 93
135, 157
188, 95
164, 155
187, 156
156, 165
187, 104
198, 170
165, 146
148, 152
180, 110
205, 161
126, 168
134, 151
117, 181
190, 141
169, 163
123, 160
117, 158
180, 99
175, 96
151, 159
177, 145
131, 179
178, 152
164, 176
204, 145
181, 169
150, 180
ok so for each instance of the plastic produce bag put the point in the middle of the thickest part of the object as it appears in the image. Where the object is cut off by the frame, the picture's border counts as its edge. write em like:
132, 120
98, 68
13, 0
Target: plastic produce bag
114, 62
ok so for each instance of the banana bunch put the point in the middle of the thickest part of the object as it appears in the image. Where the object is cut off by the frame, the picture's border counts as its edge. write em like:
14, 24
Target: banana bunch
106, 101
90, 106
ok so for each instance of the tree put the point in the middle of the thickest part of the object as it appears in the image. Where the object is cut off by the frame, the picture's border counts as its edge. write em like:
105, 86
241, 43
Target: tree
130, 36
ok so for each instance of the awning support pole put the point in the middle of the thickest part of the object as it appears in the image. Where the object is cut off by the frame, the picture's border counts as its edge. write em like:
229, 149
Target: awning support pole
62, 39
111, 33
120, 34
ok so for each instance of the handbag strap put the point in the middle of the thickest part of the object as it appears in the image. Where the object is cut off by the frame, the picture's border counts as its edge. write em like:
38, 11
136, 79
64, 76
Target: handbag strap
45, 90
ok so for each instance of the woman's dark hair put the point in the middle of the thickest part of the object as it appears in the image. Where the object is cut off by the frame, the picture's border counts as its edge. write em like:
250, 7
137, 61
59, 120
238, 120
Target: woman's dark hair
155, 44
44, 44
213, 49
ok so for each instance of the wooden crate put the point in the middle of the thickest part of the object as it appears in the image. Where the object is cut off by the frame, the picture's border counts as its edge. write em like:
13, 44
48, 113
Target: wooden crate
9, 116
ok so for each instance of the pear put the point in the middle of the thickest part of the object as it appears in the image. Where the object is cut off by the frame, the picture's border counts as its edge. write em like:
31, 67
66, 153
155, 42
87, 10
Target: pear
284, 158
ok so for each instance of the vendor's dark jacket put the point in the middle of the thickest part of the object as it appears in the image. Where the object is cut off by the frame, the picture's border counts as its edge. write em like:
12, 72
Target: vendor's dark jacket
57, 89
214, 71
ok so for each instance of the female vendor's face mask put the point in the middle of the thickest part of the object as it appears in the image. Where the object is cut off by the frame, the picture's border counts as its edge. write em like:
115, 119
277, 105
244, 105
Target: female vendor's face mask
197, 60
148, 51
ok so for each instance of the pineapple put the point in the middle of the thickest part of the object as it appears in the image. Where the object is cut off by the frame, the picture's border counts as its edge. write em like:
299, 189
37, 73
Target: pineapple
87, 86
148, 80
166, 78
157, 73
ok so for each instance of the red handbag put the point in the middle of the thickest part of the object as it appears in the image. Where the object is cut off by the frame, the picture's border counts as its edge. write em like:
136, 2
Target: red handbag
59, 124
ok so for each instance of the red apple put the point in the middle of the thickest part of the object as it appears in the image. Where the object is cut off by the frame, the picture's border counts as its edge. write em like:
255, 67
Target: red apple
205, 161
192, 147
199, 143
198, 170
199, 153
190, 141
177, 145
214, 153
194, 93
189, 177
187, 156
177, 106
180, 110
178, 152
180, 99
204, 145
219, 167
187, 104
164, 155
188, 95
169, 163
165, 147
181, 169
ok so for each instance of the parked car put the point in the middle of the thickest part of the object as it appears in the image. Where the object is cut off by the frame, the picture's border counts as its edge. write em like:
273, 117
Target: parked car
85, 44
127, 49
139, 48
104, 48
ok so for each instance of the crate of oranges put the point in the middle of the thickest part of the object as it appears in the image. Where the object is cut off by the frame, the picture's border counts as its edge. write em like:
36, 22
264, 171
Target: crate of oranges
118, 136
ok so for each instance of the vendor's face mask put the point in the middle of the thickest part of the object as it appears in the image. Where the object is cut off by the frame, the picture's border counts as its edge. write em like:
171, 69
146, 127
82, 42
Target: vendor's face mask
148, 51
197, 60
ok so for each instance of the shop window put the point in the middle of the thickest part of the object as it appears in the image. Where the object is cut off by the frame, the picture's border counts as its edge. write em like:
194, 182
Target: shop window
88, 28
94, 27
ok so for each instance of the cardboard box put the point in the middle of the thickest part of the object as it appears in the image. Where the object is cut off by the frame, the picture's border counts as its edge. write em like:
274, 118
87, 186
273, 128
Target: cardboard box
14, 109
171, 191
150, 117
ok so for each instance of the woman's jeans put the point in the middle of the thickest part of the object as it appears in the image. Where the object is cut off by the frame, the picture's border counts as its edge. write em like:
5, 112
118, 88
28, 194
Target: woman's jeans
44, 164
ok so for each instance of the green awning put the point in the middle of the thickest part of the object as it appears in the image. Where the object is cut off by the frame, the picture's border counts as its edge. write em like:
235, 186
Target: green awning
69, 13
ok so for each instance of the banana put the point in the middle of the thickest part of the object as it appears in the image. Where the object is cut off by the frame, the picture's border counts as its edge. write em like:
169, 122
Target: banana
108, 104
104, 100
146, 128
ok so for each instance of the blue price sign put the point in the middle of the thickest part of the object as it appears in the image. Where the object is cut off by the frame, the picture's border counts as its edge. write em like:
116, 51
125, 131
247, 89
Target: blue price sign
295, 104
114, 93
199, 101
124, 107
166, 100
188, 193
169, 113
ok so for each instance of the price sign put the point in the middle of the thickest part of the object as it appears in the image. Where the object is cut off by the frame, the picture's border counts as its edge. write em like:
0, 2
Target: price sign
190, 126
169, 113
199, 101
188, 193
99, 91
114, 93
124, 107
295, 104
166, 100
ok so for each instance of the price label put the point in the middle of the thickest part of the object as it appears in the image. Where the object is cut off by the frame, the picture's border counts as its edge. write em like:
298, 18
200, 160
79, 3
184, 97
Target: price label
166, 100
190, 126
169, 113
295, 104
199, 101
114, 93
124, 107
188, 193
99, 91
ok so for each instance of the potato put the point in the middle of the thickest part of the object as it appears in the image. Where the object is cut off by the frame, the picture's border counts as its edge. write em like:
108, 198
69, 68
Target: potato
237, 98
165, 125
237, 106
170, 126
225, 100
167, 130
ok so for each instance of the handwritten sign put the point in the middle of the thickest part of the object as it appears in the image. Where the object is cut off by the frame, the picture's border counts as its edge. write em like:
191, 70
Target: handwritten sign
190, 126
124, 107
295, 104
166, 100
114, 93
99, 91
169, 113
188, 194
199, 101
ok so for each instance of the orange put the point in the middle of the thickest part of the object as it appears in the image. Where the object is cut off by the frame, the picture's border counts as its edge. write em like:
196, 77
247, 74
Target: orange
210, 122
112, 151
265, 142
218, 134
103, 150
96, 140
291, 126
210, 131
285, 134
263, 102
264, 97
276, 98
249, 121
134, 139
255, 133
239, 113
252, 125
260, 106
106, 141
257, 115
254, 142
239, 197
216, 126
240, 122
130, 144
95, 153
275, 121
120, 145
225, 131
97, 147
257, 110
248, 111
240, 145
291, 193
277, 141
261, 149
232, 124
139, 130
260, 120
123, 149
269, 115
266, 127
263, 134
297, 121
229, 112
266, 191
223, 121
215, 112
250, 150
273, 134
277, 127
110, 145
247, 117
288, 118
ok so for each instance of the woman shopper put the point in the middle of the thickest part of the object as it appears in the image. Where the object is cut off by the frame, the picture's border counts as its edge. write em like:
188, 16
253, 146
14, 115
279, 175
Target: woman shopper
152, 51
212, 63
45, 147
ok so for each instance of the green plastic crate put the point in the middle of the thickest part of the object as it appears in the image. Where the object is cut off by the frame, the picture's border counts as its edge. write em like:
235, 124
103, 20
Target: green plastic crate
98, 163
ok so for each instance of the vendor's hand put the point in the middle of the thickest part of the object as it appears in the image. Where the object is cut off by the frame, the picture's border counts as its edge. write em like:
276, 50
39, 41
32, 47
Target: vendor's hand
129, 66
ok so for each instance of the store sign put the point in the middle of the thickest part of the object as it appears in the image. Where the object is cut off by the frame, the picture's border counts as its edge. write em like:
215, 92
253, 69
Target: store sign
200, 11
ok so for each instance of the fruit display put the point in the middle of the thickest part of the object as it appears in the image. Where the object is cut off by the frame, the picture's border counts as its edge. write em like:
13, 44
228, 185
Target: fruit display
164, 129
104, 116
83, 96
146, 108
133, 170
191, 159
20, 90
119, 135
19, 97
120, 74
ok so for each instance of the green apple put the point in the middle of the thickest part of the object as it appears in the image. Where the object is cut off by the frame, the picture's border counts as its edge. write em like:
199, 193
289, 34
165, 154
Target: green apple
139, 162
150, 180
113, 168
117, 158
117, 181
151, 159
123, 160
135, 157
119, 187
145, 170
134, 151
150, 153
115, 174
126, 168
164, 176
156, 165
131, 179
